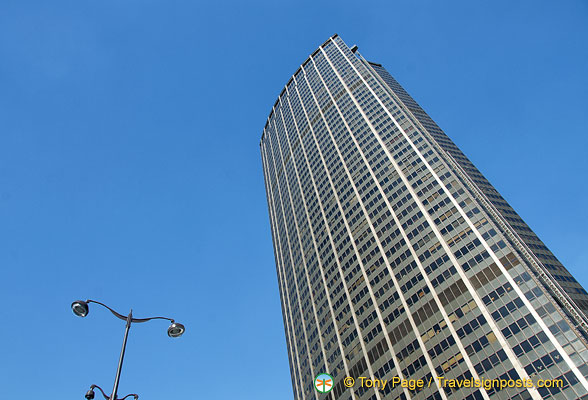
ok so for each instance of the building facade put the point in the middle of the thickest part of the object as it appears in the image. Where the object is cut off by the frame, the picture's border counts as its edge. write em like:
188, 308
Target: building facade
397, 258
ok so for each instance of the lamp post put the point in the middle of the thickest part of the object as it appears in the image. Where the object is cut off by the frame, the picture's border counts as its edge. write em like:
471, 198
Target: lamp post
81, 309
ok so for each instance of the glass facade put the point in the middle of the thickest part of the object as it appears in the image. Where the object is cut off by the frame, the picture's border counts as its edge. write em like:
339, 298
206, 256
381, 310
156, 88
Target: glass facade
397, 258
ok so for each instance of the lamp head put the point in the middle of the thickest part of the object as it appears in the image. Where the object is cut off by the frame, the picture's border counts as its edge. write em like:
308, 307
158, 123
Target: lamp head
175, 330
80, 308
89, 394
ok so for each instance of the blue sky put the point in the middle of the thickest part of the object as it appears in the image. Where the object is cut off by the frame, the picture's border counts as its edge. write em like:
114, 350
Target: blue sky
130, 170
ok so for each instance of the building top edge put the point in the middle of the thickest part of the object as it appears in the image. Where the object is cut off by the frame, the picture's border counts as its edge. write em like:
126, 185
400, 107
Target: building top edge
290, 80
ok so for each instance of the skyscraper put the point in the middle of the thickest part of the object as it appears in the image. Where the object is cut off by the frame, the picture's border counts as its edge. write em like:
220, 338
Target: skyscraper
397, 258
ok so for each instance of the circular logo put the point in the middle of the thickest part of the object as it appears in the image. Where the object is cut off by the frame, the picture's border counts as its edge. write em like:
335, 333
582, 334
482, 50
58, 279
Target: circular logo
323, 383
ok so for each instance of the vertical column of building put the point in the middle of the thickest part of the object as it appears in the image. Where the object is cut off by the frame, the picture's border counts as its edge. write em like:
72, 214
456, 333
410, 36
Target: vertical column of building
329, 331
293, 261
289, 318
316, 219
335, 228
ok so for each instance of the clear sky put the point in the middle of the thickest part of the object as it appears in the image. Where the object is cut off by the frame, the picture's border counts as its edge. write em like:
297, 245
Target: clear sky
130, 170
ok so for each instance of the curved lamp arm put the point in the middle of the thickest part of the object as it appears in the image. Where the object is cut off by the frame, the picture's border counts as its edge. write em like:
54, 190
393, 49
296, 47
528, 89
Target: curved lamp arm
149, 319
101, 391
133, 394
120, 316
111, 310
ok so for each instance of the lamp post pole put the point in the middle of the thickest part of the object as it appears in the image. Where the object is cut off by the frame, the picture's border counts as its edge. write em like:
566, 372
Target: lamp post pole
122, 355
81, 309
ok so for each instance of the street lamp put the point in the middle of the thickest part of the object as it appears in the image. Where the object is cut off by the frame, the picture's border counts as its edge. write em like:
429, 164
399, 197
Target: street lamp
81, 309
